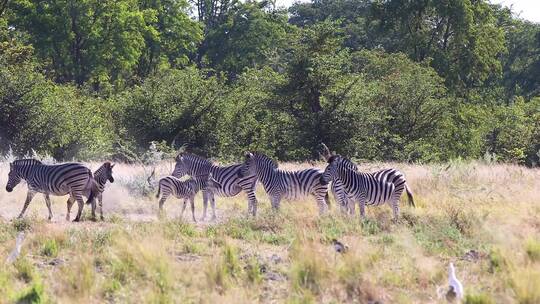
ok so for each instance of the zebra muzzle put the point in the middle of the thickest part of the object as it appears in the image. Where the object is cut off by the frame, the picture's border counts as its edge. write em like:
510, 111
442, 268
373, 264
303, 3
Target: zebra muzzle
9, 189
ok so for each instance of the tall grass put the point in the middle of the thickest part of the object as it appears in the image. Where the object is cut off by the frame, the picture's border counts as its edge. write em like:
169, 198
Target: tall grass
483, 217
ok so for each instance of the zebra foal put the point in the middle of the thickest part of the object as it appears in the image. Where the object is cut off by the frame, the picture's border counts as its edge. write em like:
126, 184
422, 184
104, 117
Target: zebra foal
101, 176
365, 188
185, 190
226, 177
280, 184
58, 180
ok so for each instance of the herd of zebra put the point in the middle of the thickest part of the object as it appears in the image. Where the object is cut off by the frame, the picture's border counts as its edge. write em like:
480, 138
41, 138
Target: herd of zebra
348, 185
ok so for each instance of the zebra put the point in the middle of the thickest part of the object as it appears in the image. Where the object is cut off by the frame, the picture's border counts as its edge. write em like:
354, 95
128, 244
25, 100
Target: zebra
365, 188
58, 180
226, 177
101, 176
185, 190
280, 184
390, 175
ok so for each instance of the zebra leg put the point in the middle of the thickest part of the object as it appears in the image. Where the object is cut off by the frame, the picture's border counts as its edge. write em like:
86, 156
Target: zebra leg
323, 207
48, 203
206, 194
254, 202
395, 208
29, 197
183, 209
213, 204
192, 203
100, 197
94, 209
362, 204
70, 202
351, 207
80, 202
275, 201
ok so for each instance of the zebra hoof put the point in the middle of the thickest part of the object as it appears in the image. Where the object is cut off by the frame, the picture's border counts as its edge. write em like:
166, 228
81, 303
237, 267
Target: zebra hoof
102, 218
76, 220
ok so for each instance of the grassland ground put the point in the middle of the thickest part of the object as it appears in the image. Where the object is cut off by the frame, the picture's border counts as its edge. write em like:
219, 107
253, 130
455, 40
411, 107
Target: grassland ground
483, 217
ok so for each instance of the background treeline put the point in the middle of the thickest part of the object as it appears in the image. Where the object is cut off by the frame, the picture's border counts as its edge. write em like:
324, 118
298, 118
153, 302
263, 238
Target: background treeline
418, 80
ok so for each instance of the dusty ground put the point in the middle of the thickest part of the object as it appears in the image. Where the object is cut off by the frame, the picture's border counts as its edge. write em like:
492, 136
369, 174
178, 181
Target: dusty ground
484, 218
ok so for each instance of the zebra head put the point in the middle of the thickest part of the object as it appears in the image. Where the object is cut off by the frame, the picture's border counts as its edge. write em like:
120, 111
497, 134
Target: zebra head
14, 177
180, 169
336, 162
108, 171
255, 162
330, 170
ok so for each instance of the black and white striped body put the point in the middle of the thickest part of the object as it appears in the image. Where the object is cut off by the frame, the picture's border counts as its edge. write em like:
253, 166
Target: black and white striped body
185, 190
390, 175
280, 184
58, 180
364, 188
226, 176
101, 176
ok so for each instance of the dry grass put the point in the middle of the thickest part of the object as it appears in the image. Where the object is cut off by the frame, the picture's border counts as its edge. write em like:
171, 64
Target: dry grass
283, 257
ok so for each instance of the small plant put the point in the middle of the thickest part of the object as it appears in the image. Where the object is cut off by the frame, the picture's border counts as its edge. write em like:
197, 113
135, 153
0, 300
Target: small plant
308, 270
230, 259
175, 228
253, 271
461, 220
532, 247
370, 227
478, 299
22, 224
217, 276
50, 248
25, 270
525, 284
497, 261
33, 294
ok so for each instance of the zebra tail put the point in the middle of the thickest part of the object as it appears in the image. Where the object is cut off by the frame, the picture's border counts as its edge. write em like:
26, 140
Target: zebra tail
409, 195
93, 192
158, 190
327, 199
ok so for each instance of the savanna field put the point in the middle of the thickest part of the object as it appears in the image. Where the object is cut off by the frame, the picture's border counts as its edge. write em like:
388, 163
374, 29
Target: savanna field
483, 217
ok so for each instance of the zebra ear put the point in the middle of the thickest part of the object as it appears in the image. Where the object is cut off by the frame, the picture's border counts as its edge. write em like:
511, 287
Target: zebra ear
10, 166
326, 152
112, 166
179, 157
249, 155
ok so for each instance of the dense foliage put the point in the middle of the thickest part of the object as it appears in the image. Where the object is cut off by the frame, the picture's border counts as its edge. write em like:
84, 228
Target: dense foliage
382, 80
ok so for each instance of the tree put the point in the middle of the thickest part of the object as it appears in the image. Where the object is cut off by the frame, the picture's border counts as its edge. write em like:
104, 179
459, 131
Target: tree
171, 37
177, 106
83, 40
461, 36
248, 36
522, 62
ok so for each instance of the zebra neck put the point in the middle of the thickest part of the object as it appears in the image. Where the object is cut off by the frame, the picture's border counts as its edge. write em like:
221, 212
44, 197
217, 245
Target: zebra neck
201, 170
266, 175
101, 180
346, 177
25, 171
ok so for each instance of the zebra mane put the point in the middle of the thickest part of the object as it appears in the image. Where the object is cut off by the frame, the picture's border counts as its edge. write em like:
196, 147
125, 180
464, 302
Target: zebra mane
265, 158
28, 161
102, 167
194, 157
345, 161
